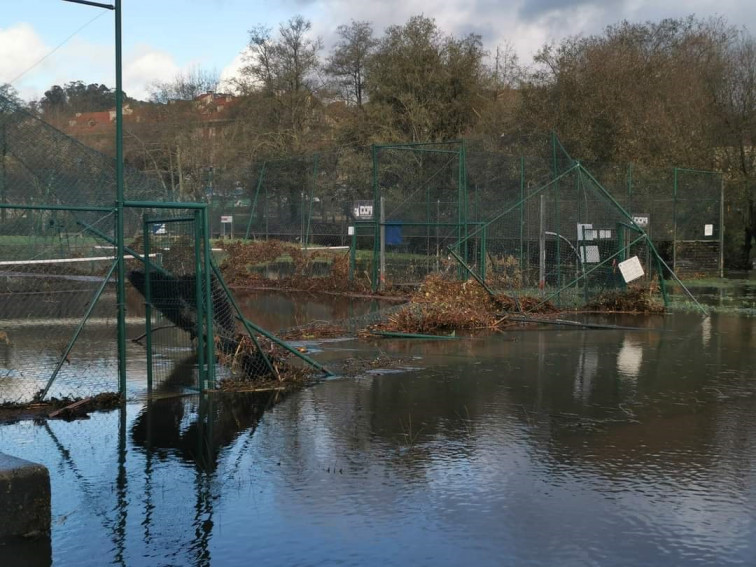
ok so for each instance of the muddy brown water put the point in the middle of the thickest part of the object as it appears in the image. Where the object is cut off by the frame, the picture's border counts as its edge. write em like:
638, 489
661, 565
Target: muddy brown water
555, 446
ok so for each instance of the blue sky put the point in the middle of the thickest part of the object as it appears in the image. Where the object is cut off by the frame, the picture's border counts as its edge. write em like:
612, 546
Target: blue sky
164, 37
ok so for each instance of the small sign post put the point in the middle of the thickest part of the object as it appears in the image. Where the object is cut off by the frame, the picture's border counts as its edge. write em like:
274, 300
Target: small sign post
227, 220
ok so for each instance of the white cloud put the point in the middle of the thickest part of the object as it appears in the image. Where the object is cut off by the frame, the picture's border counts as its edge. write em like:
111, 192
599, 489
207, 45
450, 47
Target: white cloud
231, 71
144, 67
20, 49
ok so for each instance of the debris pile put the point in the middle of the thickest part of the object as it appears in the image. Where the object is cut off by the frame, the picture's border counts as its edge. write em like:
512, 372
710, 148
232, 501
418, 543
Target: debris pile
264, 368
245, 262
634, 299
442, 305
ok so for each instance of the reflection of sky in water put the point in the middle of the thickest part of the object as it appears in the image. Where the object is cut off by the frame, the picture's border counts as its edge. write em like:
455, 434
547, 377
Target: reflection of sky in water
630, 358
523, 449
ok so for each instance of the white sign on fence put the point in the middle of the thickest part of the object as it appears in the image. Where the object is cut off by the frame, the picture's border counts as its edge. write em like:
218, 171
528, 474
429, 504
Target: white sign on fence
631, 269
363, 210
708, 230
642, 219
227, 218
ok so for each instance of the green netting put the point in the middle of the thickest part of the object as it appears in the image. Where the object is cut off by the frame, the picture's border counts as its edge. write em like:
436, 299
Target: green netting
564, 243
58, 312
54, 286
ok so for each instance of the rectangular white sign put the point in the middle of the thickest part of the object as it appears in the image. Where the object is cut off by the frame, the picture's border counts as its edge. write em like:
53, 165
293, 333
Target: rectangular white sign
708, 230
631, 269
227, 218
590, 254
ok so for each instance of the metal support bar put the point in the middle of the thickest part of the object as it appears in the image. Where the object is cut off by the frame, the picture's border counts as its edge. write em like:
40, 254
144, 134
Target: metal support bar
72, 208
199, 301
471, 271
126, 249
79, 328
209, 306
240, 316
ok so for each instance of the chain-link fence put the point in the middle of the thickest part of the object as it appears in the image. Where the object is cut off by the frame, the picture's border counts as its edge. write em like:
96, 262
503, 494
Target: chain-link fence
59, 317
436, 194
567, 243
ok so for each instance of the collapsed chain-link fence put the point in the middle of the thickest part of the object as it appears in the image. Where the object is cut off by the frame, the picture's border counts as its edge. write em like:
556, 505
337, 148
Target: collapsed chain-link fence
565, 243
58, 306
436, 194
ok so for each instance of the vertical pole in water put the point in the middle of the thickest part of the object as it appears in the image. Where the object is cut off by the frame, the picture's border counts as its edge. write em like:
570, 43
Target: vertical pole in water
542, 244
209, 307
721, 225
383, 245
199, 299
121, 277
147, 300
674, 225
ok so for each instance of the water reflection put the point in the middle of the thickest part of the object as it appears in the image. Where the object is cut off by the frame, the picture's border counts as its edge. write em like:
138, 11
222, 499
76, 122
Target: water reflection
547, 447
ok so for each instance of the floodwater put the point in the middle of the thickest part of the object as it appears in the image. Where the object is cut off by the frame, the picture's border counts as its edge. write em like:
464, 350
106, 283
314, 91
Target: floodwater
558, 446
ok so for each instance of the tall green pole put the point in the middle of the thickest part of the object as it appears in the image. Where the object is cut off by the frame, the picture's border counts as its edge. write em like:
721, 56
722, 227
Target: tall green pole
120, 265
209, 306
147, 299
121, 278
199, 300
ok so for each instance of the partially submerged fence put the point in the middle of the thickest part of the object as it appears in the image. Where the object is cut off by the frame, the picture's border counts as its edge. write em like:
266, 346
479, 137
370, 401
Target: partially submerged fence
59, 312
434, 195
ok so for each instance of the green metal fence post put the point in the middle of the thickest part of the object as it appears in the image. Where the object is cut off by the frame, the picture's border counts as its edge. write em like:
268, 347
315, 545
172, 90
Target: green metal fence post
376, 224
209, 307
721, 225
353, 253
120, 198
522, 213
313, 186
484, 233
199, 299
674, 225
147, 299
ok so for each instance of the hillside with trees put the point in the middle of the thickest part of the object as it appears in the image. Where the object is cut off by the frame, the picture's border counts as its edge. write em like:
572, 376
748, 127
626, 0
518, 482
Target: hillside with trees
677, 92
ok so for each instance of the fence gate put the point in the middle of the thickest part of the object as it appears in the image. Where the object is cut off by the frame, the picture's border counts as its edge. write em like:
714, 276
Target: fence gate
176, 283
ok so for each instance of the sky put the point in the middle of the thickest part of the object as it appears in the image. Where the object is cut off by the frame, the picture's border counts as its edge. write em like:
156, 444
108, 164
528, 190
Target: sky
48, 42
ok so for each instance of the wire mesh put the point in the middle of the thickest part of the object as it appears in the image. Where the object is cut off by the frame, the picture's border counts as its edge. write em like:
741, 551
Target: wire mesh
57, 300
564, 243
55, 286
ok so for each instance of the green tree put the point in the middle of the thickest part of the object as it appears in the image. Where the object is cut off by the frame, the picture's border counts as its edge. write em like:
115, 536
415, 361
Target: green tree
423, 82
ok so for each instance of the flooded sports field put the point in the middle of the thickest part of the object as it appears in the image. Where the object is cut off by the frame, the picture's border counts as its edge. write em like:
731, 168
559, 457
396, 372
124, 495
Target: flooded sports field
536, 446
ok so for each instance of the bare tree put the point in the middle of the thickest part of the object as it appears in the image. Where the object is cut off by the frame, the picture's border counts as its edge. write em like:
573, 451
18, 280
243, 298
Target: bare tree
284, 69
735, 95
348, 61
185, 86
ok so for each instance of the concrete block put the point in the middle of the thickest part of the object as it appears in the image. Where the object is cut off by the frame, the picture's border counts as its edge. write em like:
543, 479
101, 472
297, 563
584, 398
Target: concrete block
24, 498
